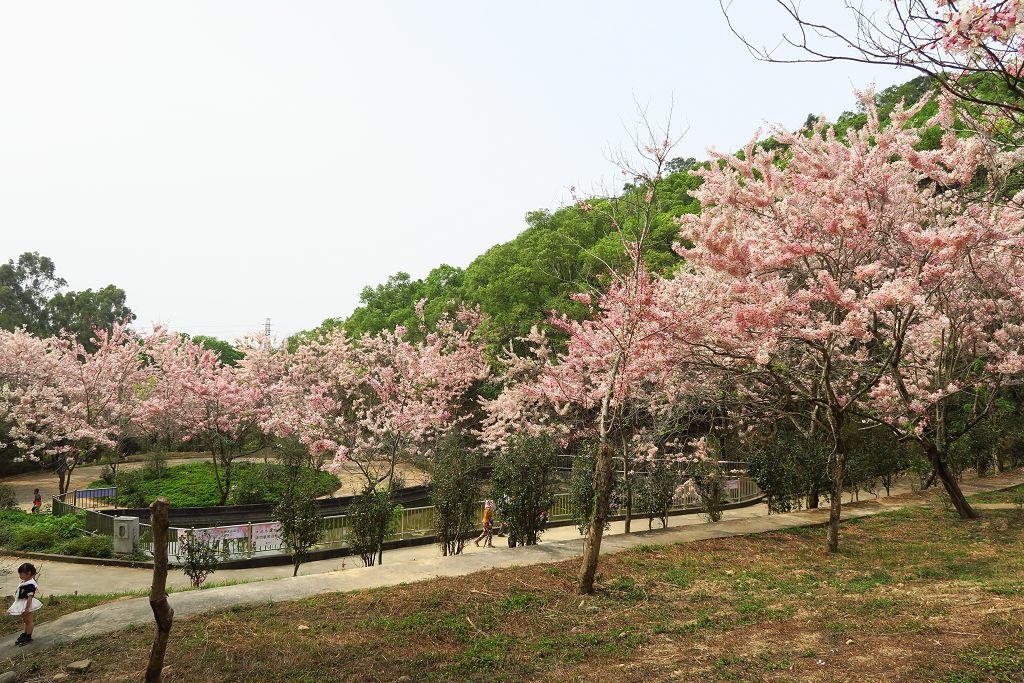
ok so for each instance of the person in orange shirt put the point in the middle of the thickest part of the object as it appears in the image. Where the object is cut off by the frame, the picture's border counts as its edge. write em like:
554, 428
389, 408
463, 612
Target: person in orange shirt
488, 524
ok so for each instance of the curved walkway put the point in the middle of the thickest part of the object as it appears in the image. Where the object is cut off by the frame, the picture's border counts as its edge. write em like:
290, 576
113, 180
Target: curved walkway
117, 615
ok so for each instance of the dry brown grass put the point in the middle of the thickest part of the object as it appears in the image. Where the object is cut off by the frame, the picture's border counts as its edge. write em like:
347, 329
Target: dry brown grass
914, 596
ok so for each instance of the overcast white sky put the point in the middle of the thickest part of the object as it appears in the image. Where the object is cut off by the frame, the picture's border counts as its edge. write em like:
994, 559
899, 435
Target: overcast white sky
225, 162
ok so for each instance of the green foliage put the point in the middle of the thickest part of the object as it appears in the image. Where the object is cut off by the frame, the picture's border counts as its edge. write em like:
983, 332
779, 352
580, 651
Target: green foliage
91, 546
876, 458
21, 530
788, 468
26, 286
655, 490
267, 483
581, 487
228, 354
708, 480
523, 484
302, 527
80, 312
8, 501
454, 493
31, 297
194, 485
198, 558
373, 516
34, 538
517, 284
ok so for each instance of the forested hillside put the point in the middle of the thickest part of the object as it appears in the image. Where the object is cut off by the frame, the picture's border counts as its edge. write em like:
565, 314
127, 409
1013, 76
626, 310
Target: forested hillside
518, 283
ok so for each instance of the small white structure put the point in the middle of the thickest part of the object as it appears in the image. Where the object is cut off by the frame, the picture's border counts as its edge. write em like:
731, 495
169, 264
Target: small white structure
126, 535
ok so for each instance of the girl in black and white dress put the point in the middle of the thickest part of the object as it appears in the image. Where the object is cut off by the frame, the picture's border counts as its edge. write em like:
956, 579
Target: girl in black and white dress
25, 602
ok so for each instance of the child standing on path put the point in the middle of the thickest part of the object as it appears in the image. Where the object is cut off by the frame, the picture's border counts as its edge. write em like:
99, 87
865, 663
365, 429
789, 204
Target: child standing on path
25, 602
37, 502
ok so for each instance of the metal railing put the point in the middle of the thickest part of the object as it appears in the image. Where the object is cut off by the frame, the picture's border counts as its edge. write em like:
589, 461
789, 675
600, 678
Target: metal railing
249, 540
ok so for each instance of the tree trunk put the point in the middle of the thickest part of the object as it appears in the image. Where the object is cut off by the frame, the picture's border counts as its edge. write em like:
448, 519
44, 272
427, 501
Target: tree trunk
595, 530
227, 482
629, 504
813, 496
952, 486
836, 498
163, 614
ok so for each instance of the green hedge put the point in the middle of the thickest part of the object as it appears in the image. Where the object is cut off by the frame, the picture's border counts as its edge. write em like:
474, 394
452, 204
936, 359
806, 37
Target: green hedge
195, 485
48, 534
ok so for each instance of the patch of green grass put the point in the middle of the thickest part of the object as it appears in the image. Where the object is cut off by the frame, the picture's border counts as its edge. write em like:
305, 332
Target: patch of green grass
680, 576
864, 582
1010, 495
515, 602
627, 589
194, 484
998, 664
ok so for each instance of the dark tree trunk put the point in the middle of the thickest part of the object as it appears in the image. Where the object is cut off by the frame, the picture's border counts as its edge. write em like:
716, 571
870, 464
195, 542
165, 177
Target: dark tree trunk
813, 497
595, 530
163, 614
836, 497
949, 482
629, 505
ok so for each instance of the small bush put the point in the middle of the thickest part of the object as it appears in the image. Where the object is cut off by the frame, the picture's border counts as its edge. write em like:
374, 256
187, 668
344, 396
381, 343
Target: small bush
523, 483
199, 558
8, 501
90, 546
34, 538
454, 494
373, 516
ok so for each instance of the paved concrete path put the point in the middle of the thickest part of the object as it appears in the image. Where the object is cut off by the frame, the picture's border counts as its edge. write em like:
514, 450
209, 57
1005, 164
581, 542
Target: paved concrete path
117, 615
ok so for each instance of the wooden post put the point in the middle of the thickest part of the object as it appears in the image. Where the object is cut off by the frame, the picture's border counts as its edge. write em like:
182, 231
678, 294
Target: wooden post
162, 612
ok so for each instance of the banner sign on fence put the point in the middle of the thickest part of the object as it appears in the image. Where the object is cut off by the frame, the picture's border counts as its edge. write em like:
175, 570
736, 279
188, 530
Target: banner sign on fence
221, 533
732, 484
268, 534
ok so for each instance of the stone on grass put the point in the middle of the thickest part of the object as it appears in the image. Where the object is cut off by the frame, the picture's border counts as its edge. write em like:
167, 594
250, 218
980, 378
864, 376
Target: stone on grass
9, 677
60, 677
81, 666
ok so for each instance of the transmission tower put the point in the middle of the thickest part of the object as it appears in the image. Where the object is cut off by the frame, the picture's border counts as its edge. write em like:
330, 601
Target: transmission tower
266, 327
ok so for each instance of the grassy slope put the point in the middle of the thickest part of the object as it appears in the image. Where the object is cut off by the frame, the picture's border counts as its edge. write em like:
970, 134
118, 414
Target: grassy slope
913, 596
195, 484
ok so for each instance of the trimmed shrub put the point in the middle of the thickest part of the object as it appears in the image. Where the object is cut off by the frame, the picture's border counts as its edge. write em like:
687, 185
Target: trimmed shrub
90, 546
523, 484
454, 492
34, 538
8, 501
373, 516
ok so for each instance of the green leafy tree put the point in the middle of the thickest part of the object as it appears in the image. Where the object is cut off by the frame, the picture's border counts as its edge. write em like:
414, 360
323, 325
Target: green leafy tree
655, 490
227, 352
454, 493
372, 517
302, 527
581, 487
198, 557
26, 286
78, 313
523, 483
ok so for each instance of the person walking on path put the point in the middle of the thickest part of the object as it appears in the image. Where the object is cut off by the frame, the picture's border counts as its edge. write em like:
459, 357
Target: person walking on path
37, 502
488, 524
25, 602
